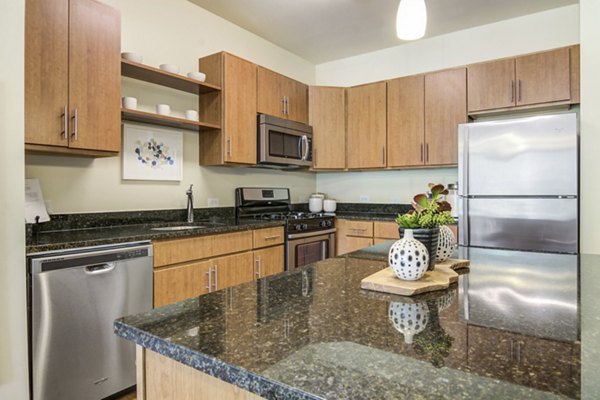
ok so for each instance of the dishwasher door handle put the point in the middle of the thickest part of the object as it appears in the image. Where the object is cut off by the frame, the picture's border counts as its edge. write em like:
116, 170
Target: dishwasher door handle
100, 269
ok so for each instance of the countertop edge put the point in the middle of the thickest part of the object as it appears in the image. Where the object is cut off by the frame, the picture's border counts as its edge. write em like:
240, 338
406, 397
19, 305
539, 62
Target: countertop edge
212, 366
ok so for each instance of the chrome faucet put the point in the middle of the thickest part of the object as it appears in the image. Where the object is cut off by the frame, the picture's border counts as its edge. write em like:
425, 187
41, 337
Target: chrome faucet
190, 205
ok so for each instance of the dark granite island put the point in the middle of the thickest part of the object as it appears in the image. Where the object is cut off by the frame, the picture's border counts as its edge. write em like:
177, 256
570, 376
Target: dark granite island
508, 330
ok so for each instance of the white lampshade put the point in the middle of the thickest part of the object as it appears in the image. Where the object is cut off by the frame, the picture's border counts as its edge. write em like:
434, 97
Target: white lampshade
411, 20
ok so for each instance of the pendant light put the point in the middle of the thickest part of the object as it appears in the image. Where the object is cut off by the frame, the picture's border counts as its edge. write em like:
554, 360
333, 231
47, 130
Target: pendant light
411, 20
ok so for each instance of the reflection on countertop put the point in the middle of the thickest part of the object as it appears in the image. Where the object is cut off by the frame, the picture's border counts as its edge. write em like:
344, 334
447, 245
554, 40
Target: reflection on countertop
313, 333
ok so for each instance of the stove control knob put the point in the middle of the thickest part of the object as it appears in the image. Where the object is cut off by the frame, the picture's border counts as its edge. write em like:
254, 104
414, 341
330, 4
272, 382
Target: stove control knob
298, 227
329, 223
304, 226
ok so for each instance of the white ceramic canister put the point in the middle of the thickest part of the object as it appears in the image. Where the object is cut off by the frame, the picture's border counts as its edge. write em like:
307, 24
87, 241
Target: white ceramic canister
329, 205
315, 204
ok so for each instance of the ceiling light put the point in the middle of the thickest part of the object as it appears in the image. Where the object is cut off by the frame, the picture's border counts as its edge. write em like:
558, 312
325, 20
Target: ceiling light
411, 20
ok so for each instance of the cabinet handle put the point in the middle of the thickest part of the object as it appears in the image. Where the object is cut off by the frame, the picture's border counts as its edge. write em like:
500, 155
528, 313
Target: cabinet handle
272, 237
287, 105
259, 265
283, 105
64, 118
358, 229
75, 125
314, 157
215, 283
421, 156
427, 152
229, 147
383, 155
209, 281
519, 87
512, 91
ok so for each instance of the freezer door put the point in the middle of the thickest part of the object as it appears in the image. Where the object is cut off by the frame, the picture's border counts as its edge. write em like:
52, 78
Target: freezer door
532, 156
545, 224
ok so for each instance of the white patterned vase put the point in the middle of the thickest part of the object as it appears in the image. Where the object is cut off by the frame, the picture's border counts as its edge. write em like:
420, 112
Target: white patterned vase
408, 257
409, 318
446, 244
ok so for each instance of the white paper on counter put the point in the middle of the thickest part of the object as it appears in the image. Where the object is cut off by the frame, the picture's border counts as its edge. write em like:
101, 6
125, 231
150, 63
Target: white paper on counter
34, 202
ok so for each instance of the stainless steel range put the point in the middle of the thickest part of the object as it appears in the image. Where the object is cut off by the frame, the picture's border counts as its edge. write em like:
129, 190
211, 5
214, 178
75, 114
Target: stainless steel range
310, 237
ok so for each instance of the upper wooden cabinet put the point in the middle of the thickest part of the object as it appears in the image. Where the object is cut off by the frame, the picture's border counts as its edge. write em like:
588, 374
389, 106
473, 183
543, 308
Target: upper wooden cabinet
281, 96
423, 113
445, 108
327, 116
72, 77
233, 108
366, 130
406, 121
538, 78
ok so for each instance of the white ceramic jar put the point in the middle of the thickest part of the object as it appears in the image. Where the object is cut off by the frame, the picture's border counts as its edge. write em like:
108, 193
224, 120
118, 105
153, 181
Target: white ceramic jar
315, 204
329, 205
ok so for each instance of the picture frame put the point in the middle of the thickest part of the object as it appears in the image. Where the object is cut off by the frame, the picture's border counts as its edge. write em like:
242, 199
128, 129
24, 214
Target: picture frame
151, 153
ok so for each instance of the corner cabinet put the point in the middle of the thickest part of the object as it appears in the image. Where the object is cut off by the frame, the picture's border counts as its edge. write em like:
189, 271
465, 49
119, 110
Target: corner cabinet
72, 77
233, 109
366, 130
281, 96
532, 79
327, 116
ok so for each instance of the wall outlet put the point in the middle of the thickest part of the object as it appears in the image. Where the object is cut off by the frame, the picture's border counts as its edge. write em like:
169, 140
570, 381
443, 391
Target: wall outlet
395, 200
213, 202
364, 198
303, 199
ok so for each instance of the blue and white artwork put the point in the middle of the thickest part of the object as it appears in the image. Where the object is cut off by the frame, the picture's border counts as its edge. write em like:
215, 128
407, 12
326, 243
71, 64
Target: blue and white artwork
151, 153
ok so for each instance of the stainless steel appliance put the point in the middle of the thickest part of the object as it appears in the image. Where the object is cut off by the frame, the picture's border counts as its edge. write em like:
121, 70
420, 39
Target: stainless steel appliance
518, 183
74, 298
310, 237
283, 143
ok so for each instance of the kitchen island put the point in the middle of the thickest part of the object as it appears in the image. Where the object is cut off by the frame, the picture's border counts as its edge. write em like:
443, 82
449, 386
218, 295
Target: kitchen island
314, 334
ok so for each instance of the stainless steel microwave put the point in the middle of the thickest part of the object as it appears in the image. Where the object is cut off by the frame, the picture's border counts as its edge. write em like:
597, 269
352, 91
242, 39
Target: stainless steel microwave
283, 143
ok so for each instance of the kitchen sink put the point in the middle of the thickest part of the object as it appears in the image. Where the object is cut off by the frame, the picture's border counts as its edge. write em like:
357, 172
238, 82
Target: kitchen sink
178, 228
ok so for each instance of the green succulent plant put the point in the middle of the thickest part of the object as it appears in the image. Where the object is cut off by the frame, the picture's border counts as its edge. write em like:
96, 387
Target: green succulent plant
430, 210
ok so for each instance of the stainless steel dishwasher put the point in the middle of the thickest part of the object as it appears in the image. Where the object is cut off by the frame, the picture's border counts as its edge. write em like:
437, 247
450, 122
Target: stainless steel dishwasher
74, 298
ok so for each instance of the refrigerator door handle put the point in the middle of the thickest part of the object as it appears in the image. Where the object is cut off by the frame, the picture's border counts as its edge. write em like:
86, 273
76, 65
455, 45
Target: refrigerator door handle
463, 221
463, 160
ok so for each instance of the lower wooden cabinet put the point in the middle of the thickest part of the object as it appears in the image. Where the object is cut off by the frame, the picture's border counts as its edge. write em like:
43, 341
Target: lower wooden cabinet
193, 266
268, 261
354, 235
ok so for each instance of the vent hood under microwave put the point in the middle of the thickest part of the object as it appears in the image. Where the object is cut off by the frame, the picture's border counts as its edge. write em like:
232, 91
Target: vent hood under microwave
283, 144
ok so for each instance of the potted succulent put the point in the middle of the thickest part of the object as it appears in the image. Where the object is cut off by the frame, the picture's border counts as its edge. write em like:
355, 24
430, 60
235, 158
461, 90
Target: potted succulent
430, 210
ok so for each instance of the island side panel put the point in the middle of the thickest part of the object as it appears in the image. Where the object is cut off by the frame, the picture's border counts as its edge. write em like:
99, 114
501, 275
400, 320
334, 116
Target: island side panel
166, 379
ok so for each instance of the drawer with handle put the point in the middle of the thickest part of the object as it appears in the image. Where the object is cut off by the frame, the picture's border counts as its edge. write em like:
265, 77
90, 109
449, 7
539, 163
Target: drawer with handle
268, 237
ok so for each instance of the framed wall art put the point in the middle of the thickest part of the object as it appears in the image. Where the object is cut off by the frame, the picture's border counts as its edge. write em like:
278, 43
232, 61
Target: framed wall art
151, 153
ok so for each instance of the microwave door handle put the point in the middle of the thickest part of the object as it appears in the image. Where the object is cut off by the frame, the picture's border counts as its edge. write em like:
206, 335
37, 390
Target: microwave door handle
304, 147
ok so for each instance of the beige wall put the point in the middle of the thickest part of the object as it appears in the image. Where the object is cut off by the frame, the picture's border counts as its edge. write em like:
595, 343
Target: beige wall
178, 32
506, 38
13, 339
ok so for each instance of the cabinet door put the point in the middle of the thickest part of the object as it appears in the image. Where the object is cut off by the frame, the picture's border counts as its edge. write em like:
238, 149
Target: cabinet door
327, 116
445, 108
268, 261
270, 93
239, 122
491, 85
94, 76
406, 121
46, 72
297, 101
182, 282
366, 139
232, 270
386, 230
543, 77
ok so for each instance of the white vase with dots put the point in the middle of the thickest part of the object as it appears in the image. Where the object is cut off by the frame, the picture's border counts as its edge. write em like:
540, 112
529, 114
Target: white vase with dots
446, 244
408, 257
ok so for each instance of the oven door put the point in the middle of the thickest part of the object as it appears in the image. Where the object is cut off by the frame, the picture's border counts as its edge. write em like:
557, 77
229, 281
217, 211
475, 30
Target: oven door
307, 248
283, 145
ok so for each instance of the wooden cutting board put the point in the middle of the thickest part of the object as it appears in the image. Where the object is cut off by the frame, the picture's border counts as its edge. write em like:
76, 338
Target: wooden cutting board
440, 278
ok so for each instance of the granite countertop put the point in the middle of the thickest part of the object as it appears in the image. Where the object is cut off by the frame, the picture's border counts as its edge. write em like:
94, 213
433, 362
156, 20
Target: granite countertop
509, 329
60, 239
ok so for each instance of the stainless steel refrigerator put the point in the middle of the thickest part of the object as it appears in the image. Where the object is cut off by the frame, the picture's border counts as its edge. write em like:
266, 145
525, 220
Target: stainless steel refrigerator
518, 183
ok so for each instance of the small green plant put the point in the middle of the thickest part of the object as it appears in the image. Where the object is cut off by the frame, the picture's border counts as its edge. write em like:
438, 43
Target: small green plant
430, 210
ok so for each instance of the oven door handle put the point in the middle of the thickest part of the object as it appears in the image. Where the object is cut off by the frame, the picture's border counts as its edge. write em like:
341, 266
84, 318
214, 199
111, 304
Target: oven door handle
293, 236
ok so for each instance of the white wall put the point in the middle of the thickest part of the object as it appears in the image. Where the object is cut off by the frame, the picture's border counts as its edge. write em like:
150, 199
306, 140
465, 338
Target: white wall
178, 32
502, 39
13, 340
